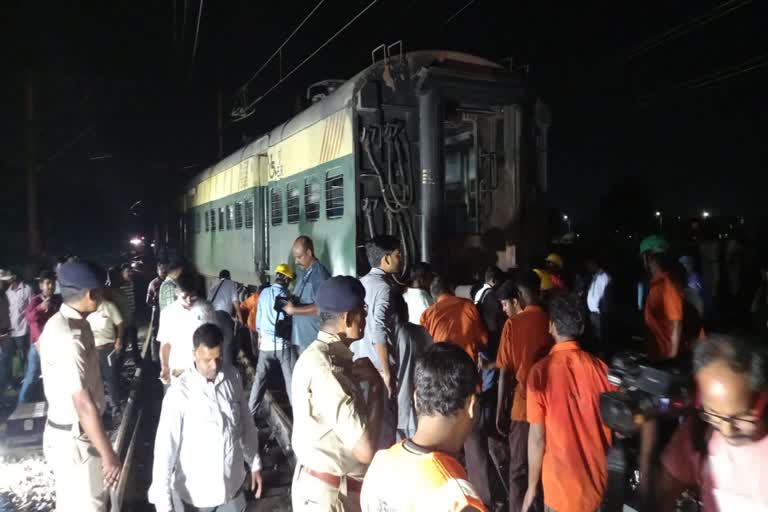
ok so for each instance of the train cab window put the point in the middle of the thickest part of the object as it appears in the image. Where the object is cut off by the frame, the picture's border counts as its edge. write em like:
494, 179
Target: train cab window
334, 196
230, 217
276, 206
197, 222
249, 215
213, 220
311, 199
239, 215
207, 221
221, 219
293, 202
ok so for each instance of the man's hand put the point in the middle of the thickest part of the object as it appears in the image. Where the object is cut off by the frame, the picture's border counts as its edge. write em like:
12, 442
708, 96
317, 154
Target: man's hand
43, 306
118, 345
530, 497
256, 484
111, 468
389, 382
289, 308
165, 375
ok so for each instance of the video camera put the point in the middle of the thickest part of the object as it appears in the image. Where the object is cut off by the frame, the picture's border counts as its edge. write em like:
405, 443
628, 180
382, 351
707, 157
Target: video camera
645, 391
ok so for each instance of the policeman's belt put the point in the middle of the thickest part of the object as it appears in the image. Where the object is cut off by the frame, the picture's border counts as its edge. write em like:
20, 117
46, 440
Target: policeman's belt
59, 426
334, 480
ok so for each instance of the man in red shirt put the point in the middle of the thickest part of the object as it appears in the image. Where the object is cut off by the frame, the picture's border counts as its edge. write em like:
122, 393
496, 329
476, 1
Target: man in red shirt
40, 308
524, 341
456, 320
567, 442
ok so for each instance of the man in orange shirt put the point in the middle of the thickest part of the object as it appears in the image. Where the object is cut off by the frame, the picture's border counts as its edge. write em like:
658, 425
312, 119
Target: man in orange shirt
422, 473
567, 442
524, 341
664, 304
456, 320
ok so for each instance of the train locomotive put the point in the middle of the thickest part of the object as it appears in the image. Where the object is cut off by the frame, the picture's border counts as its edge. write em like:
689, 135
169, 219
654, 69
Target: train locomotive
445, 150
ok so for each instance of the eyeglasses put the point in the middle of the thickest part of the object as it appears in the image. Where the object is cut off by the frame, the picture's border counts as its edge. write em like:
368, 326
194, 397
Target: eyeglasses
744, 422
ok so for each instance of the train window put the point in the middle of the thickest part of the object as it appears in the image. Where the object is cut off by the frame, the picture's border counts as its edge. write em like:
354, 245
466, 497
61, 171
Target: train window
249, 215
276, 206
239, 215
207, 221
311, 199
221, 219
334, 196
213, 220
230, 217
293, 202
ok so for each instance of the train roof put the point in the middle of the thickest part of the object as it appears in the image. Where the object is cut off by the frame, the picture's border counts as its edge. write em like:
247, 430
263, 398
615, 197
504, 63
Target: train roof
334, 102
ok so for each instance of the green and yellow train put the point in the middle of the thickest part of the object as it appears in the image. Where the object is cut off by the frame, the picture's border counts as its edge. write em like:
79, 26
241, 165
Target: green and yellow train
445, 150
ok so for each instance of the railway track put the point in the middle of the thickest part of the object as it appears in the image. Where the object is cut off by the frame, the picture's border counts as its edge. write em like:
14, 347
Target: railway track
26, 485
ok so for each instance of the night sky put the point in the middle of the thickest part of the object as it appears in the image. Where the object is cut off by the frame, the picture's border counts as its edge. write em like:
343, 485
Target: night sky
125, 113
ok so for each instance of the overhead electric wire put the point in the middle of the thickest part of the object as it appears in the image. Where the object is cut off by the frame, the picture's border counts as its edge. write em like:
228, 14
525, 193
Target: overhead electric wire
279, 48
451, 18
680, 30
250, 105
751, 64
197, 30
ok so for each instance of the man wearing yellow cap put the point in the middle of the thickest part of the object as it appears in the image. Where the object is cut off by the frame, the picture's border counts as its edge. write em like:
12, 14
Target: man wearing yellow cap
553, 264
273, 327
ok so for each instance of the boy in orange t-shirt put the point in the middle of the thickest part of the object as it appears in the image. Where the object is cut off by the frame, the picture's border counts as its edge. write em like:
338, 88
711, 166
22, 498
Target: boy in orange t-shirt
422, 473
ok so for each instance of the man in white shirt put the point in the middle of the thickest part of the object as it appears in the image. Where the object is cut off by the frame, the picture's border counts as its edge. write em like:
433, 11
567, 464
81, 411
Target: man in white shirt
597, 301
224, 299
205, 436
107, 326
417, 296
19, 295
177, 325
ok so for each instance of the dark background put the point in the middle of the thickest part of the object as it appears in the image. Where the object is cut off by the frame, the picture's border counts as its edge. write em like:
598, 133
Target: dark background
656, 105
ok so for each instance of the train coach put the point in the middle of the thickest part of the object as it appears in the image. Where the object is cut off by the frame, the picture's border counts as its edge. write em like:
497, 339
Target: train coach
445, 150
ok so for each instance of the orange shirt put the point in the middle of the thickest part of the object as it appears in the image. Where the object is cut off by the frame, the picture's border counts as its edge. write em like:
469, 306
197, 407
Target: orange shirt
456, 320
408, 478
663, 306
249, 306
525, 340
564, 392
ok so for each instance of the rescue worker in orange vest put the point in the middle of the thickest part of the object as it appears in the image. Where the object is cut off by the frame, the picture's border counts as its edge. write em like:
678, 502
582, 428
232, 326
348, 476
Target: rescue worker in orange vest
664, 304
422, 473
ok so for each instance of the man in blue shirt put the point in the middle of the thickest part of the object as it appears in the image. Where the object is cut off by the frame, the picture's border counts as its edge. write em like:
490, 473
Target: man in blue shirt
306, 322
274, 344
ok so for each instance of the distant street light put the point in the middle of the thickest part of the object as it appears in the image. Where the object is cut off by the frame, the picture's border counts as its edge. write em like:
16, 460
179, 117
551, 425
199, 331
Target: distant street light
661, 219
705, 214
568, 221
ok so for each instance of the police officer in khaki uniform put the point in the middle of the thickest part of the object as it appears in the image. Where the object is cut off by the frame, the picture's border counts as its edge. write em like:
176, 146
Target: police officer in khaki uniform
334, 431
75, 444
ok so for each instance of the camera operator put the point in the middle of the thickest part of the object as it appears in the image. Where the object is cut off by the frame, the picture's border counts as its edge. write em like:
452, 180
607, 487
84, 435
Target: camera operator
273, 326
723, 451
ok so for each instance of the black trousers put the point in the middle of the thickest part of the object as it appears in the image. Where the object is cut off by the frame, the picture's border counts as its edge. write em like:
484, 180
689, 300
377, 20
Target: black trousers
227, 326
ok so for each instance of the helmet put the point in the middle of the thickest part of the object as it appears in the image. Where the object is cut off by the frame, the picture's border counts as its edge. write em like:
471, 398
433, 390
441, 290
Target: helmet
654, 243
284, 269
555, 259
545, 282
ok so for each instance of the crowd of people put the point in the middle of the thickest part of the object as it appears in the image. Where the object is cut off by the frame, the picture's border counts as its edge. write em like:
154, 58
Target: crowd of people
396, 390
